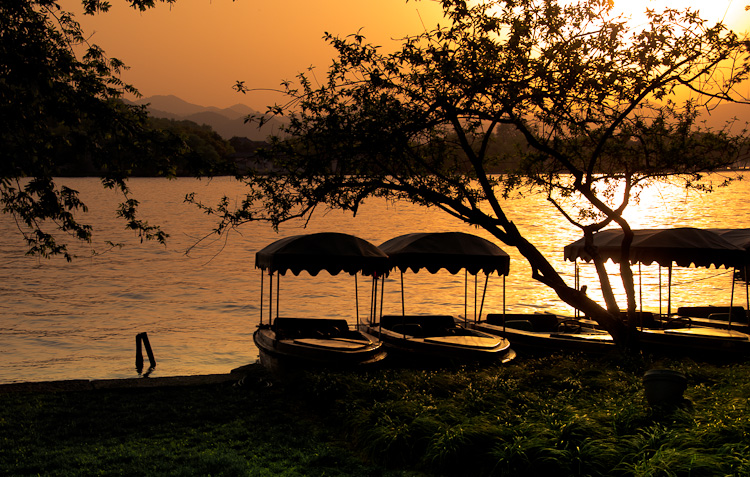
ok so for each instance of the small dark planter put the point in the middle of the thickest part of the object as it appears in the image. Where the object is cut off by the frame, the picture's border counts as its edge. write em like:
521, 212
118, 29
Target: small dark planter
664, 386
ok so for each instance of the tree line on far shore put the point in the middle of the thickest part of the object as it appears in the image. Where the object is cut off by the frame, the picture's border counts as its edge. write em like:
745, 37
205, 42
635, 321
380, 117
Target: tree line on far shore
191, 144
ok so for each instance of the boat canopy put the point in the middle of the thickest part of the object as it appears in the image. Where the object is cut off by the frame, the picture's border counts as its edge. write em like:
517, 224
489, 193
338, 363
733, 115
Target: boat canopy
452, 251
684, 246
739, 237
330, 251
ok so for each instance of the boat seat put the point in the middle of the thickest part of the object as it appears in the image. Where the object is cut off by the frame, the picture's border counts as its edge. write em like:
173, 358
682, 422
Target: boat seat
643, 319
524, 325
296, 328
705, 311
528, 322
430, 325
409, 329
725, 317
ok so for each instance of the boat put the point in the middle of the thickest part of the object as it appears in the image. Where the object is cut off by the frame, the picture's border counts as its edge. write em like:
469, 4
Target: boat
682, 338
733, 317
545, 332
439, 338
683, 246
286, 344
729, 317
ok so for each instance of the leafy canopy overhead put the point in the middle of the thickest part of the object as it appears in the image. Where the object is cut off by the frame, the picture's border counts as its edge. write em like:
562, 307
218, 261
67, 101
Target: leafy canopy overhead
589, 96
61, 111
560, 97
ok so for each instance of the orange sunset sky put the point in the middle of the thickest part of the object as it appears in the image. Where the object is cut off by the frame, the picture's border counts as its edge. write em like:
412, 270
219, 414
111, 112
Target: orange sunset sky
197, 49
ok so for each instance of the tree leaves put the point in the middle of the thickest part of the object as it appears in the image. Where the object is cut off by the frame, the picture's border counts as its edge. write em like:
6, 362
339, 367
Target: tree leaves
585, 100
61, 111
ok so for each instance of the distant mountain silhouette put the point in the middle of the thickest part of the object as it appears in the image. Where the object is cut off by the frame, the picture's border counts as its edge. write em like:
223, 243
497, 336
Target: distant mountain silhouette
227, 122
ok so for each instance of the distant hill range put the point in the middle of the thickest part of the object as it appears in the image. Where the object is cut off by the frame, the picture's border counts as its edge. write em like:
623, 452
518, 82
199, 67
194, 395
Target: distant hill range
228, 122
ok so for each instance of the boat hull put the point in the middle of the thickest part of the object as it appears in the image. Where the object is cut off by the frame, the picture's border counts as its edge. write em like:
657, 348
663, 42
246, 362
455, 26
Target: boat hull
695, 341
416, 339
349, 350
545, 333
548, 342
715, 317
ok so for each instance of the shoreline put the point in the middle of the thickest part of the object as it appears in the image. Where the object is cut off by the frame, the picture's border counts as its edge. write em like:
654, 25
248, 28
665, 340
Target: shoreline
66, 385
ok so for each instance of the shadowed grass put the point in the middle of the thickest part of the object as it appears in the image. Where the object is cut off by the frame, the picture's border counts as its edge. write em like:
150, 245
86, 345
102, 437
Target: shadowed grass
199, 430
547, 416
558, 415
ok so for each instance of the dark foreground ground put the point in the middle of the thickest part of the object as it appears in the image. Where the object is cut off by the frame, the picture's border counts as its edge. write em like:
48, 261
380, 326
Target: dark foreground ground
557, 415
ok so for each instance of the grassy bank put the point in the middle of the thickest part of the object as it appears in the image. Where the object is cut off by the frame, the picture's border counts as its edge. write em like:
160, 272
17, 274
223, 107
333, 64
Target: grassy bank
544, 416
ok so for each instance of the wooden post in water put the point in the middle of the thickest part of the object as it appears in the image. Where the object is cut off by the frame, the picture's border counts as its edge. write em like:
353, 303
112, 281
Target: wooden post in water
149, 352
142, 339
138, 354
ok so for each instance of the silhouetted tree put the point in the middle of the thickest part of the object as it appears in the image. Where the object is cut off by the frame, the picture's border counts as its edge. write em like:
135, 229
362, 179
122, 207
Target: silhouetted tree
60, 111
593, 99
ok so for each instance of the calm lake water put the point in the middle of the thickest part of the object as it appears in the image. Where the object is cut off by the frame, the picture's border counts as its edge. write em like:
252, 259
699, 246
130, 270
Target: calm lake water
79, 320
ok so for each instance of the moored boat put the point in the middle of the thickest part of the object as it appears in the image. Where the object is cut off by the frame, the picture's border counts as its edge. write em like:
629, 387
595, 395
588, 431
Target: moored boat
695, 341
683, 246
712, 316
291, 343
315, 343
542, 332
437, 338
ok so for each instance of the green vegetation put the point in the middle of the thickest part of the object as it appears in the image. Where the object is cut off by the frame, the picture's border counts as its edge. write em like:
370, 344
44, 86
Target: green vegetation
558, 415
189, 148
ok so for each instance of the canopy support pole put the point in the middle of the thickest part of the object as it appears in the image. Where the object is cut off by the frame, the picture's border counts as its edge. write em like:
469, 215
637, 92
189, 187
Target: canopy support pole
371, 317
669, 291
403, 301
484, 293
475, 297
270, 299
504, 306
576, 285
640, 293
660, 290
731, 300
375, 300
466, 295
382, 290
356, 298
278, 292
262, 272
373, 304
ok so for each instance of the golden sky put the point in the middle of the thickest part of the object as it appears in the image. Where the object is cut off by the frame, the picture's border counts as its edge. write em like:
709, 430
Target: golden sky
197, 49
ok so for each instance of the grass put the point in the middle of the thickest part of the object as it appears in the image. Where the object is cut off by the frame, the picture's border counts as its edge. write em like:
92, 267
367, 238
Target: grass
557, 415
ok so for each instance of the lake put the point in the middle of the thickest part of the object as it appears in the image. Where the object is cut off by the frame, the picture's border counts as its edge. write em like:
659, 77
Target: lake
79, 320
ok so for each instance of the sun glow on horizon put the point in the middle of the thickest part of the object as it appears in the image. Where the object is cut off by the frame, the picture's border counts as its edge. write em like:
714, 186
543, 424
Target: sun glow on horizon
729, 12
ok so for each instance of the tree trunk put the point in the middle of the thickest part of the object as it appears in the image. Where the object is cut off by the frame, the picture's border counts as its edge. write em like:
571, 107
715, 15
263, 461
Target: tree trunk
545, 273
